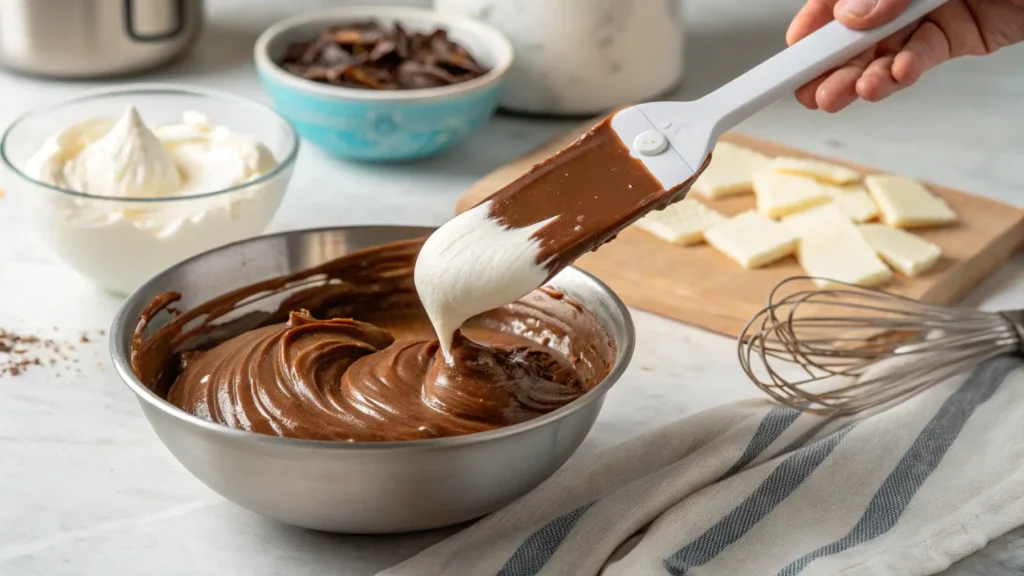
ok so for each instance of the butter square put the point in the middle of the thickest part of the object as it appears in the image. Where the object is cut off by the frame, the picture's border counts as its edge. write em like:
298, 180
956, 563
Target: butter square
906, 203
751, 239
682, 223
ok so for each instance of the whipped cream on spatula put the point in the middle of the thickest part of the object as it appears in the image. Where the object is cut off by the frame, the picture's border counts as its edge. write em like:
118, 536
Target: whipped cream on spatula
640, 159
507, 246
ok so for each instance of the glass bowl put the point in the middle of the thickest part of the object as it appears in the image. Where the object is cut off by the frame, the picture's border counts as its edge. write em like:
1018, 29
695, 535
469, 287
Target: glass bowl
119, 242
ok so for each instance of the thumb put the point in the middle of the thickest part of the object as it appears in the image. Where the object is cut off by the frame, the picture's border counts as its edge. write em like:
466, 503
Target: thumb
864, 14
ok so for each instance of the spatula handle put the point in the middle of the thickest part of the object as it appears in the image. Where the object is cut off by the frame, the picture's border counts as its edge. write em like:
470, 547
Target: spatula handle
821, 51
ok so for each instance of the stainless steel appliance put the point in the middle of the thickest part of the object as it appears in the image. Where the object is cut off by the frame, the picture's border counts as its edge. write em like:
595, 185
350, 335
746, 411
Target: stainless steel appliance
90, 38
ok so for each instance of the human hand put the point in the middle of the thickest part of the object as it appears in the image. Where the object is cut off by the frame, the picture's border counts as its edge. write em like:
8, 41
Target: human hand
957, 28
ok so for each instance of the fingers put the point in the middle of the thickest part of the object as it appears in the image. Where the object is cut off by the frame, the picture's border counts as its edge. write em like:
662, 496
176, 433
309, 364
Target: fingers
839, 90
957, 23
877, 81
814, 15
836, 90
894, 43
927, 48
906, 55
865, 14
807, 94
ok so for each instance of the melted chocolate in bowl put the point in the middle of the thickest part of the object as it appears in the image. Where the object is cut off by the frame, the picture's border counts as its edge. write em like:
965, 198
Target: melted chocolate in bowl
349, 355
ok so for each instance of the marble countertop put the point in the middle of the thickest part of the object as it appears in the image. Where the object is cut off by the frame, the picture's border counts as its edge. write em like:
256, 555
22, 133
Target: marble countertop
87, 488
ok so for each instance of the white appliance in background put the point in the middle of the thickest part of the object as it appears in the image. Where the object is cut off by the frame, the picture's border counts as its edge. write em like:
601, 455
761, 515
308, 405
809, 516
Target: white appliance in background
583, 57
91, 38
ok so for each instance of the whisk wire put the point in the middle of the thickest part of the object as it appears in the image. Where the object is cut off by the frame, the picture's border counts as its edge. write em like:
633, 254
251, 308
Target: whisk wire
845, 348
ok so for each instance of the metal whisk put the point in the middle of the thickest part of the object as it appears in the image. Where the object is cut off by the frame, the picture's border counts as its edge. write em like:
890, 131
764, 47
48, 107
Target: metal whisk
844, 348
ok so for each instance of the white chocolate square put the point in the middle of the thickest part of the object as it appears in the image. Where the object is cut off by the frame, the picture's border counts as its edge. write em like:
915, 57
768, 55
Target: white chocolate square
841, 254
906, 203
751, 239
825, 216
831, 247
908, 253
781, 194
682, 223
730, 172
854, 201
824, 172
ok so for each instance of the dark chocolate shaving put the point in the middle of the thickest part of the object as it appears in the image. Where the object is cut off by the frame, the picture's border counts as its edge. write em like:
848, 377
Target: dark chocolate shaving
371, 56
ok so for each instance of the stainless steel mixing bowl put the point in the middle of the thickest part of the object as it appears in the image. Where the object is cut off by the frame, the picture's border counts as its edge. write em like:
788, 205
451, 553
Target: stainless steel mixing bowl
358, 487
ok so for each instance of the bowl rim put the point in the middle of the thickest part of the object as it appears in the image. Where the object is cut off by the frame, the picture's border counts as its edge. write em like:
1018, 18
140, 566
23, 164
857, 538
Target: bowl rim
332, 16
122, 327
282, 166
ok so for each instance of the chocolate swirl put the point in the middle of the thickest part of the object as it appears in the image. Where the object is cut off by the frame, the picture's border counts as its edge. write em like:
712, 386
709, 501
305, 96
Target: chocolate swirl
350, 355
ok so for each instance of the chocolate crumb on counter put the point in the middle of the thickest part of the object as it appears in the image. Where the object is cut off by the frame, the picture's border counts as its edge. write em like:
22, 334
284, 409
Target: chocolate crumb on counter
19, 352
371, 56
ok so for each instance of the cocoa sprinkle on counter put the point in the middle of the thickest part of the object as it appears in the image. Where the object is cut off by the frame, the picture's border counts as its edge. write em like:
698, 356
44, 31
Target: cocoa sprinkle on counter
18, 352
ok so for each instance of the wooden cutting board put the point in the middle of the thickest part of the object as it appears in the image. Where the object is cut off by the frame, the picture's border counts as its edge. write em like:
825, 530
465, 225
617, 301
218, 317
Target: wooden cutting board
700, 286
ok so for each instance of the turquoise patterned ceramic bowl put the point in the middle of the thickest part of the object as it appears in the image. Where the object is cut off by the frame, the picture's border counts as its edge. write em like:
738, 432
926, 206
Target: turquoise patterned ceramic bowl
384, 125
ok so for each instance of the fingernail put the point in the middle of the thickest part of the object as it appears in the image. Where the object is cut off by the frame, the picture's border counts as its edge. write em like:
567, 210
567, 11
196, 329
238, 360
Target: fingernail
856, 8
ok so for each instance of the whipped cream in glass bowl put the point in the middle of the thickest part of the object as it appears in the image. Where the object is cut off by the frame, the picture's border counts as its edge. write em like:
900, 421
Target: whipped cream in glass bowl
125, 182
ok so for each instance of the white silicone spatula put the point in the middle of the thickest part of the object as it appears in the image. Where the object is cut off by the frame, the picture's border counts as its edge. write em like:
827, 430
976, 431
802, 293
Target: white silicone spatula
478, 260
674, 138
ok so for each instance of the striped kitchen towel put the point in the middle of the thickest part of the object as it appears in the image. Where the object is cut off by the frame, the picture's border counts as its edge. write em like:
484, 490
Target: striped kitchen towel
754, 488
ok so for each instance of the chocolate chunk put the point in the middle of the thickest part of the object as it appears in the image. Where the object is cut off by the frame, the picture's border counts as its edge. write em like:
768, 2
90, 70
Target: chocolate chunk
333, 55
371, 56
413, 74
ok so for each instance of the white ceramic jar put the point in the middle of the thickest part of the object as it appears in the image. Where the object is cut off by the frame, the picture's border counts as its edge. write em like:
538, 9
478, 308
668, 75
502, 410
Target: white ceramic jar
583, 57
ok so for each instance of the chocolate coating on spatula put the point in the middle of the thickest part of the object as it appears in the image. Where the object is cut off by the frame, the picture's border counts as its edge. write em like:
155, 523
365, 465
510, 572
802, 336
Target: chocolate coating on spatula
594, 187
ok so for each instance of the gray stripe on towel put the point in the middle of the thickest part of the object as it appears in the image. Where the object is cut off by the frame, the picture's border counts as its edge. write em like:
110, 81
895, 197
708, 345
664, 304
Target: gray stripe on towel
782, 481
811, 432
531, 556
919, 462
774, 424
